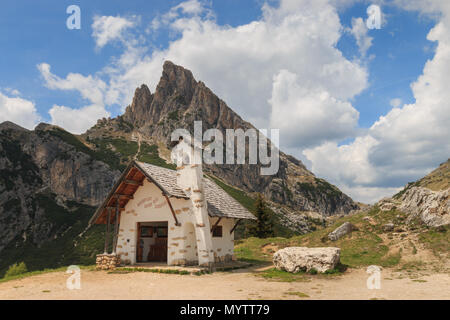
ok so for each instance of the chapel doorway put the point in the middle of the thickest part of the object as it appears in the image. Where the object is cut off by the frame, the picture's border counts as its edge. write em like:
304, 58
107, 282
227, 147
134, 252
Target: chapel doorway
152, 242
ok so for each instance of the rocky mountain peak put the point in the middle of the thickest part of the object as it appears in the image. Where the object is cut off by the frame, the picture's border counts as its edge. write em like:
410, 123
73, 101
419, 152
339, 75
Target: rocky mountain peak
176, 82
137, 112
8, 125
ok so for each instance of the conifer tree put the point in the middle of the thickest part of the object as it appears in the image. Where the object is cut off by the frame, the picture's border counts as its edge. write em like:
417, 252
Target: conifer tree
263, 228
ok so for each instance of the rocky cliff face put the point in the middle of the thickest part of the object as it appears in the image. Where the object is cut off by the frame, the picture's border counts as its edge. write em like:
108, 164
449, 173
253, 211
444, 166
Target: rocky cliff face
432, 207
426, 200
179, 100
41, 169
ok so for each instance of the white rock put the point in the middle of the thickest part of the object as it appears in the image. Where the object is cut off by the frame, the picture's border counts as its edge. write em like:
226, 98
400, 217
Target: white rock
341, 231
296, 259
432, 207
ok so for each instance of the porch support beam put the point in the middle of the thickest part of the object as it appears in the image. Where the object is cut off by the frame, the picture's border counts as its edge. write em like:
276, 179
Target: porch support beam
116, 226
216, 224
171, 210
108, 227
235, 225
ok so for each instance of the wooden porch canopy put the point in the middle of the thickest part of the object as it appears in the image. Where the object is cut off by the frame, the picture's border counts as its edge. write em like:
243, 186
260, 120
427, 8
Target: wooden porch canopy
123, 191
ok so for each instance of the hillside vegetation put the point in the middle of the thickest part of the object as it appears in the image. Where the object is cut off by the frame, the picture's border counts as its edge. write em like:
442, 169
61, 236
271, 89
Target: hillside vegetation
368, 245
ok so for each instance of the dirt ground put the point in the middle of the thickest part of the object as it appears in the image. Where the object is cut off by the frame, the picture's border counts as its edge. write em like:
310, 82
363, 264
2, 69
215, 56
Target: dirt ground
239, 284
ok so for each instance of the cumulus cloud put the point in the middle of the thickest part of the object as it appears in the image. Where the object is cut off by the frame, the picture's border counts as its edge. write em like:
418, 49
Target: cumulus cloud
361, 33
77, 120
11, 91
108, 28
396, 102
404, 144
90, 88
309, 116
19, 111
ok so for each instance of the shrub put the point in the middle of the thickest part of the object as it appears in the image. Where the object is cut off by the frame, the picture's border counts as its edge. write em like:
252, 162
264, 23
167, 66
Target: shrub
16, 269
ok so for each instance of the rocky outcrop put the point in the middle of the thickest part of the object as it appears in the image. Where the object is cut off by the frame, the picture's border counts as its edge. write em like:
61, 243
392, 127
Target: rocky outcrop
137, 113
432, 207
341, 231
296, 259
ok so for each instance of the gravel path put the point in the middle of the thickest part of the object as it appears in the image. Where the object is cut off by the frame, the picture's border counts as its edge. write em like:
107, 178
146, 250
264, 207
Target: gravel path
240, 284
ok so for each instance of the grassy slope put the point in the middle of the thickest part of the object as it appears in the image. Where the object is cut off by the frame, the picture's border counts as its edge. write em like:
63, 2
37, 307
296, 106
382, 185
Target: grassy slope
438, 179
362, 248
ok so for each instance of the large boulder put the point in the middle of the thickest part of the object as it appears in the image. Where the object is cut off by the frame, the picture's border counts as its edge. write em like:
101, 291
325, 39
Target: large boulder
432, 207
296, 259
341, 231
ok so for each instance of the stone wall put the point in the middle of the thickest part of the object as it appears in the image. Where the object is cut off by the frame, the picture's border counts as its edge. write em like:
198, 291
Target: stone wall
107, 261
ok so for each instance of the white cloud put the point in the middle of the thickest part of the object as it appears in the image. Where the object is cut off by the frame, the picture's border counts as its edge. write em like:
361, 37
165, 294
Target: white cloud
190, 7
77, 120
90, 88
12, 91
369, 195
309, 116
360, 32
19, 111
403, 145
108, 28
396, 102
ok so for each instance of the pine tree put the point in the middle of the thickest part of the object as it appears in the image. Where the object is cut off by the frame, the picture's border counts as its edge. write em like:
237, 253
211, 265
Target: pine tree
263, 228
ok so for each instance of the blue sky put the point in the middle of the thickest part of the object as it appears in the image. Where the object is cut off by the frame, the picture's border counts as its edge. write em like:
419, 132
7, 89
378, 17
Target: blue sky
315, 71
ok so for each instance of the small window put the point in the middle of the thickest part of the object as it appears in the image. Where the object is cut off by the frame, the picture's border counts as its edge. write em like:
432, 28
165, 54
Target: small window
217, 232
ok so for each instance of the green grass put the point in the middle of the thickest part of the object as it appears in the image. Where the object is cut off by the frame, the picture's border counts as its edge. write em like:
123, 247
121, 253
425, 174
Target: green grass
297, 293
173, 115
150, 154
102, 152
151, 270
16, 269
38, 272
115, 152
438, 240
363, 247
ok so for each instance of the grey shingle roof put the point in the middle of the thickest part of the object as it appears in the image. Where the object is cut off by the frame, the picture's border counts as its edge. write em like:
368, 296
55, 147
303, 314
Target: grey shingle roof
220, 203
165, 178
